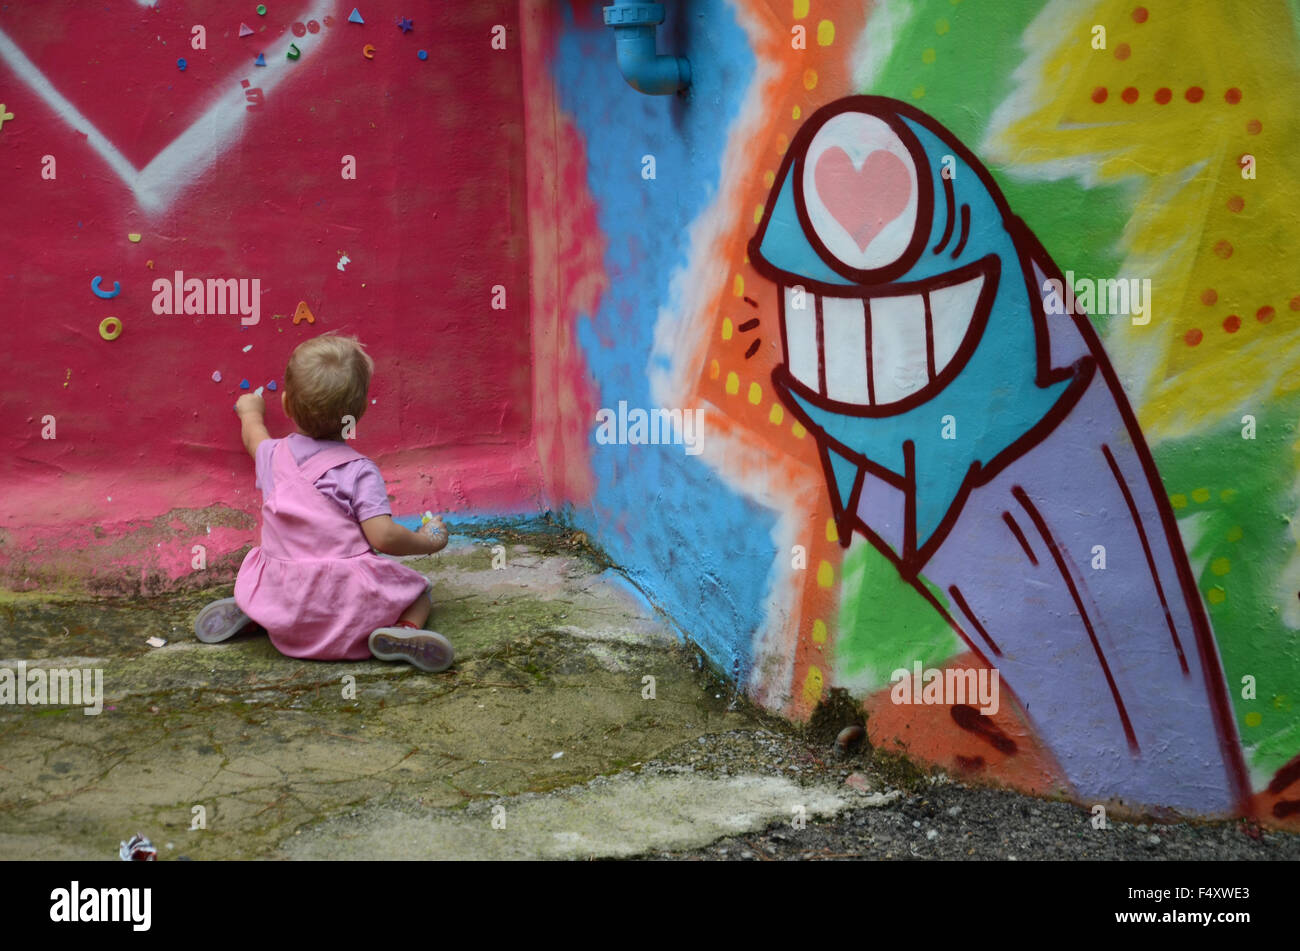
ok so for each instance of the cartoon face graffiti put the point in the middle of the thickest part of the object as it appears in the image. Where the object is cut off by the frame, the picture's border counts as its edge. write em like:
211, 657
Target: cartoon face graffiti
976, 434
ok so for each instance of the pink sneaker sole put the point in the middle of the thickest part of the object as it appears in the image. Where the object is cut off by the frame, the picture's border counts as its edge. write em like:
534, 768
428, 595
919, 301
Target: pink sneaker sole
220, 621
424, 649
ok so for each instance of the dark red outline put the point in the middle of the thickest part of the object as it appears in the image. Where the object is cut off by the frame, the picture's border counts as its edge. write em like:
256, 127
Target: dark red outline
1020, 536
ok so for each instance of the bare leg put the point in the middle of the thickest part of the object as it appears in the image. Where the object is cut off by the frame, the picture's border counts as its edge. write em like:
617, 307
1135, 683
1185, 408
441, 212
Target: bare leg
418, 611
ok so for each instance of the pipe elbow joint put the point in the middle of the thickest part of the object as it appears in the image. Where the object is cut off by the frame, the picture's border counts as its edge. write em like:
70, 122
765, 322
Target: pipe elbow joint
635, 26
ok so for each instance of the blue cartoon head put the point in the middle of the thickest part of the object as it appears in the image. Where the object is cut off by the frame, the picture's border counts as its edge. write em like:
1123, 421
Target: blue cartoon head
910, 319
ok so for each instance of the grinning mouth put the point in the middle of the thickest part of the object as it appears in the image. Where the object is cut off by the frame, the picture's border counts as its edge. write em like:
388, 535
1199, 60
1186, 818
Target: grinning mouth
883, 352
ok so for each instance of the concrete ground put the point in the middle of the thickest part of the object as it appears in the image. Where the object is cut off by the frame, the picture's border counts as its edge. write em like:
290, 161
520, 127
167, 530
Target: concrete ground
541, 742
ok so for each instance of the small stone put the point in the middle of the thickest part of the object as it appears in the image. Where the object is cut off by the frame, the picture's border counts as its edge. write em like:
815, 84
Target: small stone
156, 642
932, 834
916, 824
557, 755
1153, 839
850, 738
954, 811
858, 781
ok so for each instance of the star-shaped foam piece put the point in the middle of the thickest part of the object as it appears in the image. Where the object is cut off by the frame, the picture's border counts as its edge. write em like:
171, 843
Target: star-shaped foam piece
355, 16
405, 24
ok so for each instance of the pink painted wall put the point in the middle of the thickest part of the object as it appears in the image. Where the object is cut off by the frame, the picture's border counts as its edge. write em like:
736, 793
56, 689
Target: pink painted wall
146, 459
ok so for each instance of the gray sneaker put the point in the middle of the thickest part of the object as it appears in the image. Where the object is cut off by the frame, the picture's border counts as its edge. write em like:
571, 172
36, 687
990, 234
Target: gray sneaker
220, 621
423, 649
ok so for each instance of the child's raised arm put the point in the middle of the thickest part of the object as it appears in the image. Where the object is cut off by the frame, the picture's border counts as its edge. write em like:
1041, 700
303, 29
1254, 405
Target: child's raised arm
251, 409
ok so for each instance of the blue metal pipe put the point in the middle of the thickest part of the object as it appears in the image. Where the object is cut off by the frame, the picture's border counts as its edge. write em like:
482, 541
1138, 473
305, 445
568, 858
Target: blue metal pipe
635, 27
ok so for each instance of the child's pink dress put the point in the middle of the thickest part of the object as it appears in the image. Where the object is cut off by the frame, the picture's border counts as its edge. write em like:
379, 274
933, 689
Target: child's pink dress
314, 583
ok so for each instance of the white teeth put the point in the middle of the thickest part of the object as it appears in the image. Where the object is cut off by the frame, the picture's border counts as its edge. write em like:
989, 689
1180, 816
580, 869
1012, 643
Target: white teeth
801, 336
898, 351
875, 351
844, 331
951, 309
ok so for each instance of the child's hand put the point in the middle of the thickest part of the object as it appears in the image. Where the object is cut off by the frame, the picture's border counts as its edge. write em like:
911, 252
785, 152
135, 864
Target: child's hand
432, 527
250, 403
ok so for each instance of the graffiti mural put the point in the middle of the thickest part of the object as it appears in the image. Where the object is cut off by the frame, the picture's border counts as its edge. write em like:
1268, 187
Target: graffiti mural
975, 434
999, 378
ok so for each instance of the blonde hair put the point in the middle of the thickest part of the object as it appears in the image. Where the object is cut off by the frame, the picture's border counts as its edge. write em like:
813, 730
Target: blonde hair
327, 378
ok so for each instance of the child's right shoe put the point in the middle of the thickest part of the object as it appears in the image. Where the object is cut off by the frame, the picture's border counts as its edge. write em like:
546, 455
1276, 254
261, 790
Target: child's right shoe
220, 621
424, 649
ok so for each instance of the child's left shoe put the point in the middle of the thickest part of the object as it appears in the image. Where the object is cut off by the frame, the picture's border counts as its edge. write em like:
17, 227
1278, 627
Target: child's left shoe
220, 621
424, 649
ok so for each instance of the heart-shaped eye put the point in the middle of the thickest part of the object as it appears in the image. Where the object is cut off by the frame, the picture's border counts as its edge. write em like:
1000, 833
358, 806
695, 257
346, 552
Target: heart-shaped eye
865, 199
860, 190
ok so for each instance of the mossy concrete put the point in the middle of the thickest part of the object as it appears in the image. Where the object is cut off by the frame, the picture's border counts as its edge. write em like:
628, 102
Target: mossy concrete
552, 652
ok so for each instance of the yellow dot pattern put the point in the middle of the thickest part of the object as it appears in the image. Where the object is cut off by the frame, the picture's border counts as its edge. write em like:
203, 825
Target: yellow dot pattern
810, 79
819, 631
832, 533
1216, 595
797, 428
755, 394
1201, 495
1221, 566
825, 574
726, 328
758, 214
825, 33
918, 92
776, 415
738, 286
796, 113
1253, 719
800, 9
714, 369
928, 55
1178, 500
733, 383
812, 685
1235, 533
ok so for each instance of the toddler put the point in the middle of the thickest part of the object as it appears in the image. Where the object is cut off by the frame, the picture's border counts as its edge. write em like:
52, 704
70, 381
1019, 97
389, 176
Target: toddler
314, 584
